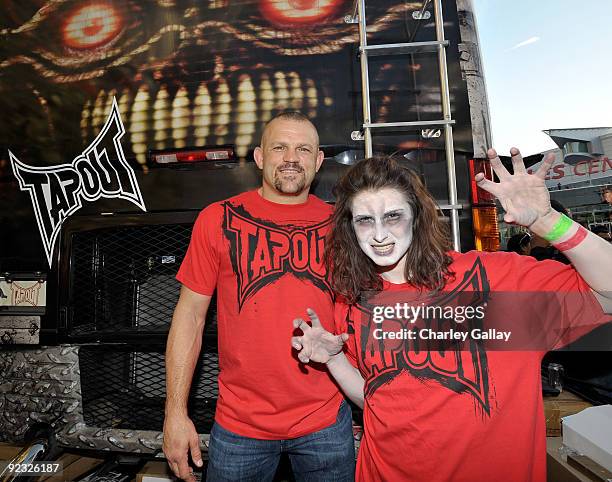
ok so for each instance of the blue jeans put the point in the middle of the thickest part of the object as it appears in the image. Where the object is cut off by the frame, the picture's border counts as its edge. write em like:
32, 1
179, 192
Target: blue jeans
324, 456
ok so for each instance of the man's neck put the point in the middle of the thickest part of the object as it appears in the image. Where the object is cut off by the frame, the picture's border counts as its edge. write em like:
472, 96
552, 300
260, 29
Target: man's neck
272, 195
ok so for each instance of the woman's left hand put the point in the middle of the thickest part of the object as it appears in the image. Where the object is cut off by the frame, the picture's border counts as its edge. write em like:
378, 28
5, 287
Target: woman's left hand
316, 344
523, 196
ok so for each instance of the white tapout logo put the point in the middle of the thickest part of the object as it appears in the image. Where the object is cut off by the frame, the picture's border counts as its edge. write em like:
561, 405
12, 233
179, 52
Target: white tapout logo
101, 171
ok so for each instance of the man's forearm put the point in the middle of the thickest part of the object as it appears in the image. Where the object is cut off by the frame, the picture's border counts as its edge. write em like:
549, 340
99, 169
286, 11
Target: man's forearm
348, 377
182, 353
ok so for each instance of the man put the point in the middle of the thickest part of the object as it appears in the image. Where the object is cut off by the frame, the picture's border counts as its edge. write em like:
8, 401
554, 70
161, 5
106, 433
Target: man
263, 252
607, 195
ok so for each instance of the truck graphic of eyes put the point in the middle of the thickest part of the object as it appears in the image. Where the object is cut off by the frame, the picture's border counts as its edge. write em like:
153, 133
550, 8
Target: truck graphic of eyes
92, 26
298, 12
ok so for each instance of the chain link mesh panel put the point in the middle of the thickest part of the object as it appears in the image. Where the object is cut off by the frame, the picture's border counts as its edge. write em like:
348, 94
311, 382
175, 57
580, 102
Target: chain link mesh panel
122, 278
124, 388
122, 281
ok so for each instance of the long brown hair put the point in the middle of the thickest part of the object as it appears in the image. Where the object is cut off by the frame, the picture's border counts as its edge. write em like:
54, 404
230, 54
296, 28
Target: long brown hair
427, 258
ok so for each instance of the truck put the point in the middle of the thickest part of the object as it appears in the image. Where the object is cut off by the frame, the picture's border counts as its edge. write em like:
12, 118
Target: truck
194, 83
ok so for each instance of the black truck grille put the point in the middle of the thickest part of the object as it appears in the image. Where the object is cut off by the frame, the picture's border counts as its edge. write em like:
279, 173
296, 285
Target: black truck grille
122, 278
124, 388
122, 295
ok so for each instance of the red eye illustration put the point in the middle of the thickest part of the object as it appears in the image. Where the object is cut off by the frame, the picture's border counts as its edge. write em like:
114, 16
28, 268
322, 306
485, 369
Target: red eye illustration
91, 26
298, 12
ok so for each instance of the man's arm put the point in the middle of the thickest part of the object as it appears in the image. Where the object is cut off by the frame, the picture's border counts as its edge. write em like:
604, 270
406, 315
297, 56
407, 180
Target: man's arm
182, 353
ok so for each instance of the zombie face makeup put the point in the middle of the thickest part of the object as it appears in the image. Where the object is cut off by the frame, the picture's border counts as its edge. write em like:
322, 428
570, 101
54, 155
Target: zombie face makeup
383, 222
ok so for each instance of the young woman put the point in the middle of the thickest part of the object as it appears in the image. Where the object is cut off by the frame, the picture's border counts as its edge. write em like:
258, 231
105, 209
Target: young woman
463, 411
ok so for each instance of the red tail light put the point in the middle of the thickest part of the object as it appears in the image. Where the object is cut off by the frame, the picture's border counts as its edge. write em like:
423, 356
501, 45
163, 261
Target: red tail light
205, 154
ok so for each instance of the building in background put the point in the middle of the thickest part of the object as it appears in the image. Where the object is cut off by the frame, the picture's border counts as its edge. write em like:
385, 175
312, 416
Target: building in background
582, 173
581, 176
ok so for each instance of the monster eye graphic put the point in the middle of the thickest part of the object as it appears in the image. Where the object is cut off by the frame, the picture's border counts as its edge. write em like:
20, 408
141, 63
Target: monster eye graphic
298, 12
91, 26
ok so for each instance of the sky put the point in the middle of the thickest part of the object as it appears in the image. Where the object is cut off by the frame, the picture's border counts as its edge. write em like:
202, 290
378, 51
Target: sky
547, 66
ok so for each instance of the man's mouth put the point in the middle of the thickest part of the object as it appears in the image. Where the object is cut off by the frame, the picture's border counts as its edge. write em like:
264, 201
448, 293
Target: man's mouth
291, 170
383, 249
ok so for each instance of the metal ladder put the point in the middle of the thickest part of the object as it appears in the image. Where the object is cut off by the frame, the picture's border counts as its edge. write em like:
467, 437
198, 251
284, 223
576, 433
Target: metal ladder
439, 46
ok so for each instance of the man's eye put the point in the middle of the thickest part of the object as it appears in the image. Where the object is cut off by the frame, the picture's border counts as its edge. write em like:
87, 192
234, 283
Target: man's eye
304, 149
277, 148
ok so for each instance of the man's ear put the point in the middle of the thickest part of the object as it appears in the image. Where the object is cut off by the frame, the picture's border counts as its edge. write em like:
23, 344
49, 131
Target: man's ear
320, 157
258, 155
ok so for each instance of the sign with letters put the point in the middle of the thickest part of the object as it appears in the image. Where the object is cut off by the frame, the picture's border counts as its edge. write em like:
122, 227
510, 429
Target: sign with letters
100, 171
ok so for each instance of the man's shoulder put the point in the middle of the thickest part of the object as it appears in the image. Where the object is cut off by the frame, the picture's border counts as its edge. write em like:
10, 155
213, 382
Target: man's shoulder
217, 207
320, 205
242, 198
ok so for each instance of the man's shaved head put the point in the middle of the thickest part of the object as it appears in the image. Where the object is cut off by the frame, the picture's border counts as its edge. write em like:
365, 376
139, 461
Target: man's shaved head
289, 116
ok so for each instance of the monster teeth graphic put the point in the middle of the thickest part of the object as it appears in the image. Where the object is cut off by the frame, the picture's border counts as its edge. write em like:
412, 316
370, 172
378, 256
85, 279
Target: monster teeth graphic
59, 191
172, 117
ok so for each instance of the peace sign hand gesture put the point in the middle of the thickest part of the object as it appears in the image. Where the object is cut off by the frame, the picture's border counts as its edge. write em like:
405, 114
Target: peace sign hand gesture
317, 344
523, 196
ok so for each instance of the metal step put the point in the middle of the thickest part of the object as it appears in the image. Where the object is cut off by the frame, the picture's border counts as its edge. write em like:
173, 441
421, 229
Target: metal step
403, 48
416, 124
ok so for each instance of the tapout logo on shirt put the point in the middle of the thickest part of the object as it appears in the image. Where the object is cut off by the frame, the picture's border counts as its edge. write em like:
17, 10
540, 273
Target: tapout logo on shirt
461, 368
261, 252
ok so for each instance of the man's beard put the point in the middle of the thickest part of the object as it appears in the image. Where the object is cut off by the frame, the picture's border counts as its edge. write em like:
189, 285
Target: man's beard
295, 185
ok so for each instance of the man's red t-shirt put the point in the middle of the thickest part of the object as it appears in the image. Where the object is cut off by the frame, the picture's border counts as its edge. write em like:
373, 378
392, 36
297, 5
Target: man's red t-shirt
454, 416
266, 262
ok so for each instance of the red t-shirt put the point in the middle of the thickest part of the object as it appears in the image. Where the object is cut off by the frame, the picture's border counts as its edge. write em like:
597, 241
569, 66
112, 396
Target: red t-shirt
266, 262
465, 415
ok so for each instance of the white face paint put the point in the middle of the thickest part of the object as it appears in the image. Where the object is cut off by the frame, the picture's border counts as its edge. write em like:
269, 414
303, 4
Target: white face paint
382, 221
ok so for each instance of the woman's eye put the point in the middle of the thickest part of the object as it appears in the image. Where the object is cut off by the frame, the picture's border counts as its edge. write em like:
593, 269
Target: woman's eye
392, 216
363, 221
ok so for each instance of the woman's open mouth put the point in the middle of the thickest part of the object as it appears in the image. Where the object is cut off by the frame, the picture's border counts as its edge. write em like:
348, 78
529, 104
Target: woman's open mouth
383, 249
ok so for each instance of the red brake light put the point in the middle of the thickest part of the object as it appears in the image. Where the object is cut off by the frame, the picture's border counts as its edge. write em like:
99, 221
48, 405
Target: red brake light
212, 154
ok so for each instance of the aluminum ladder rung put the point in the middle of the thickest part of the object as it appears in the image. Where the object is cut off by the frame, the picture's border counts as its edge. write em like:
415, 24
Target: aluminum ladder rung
415, 124
439, 45
403, 48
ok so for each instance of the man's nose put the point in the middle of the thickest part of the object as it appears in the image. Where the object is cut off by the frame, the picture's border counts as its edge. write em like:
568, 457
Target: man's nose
290, 155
